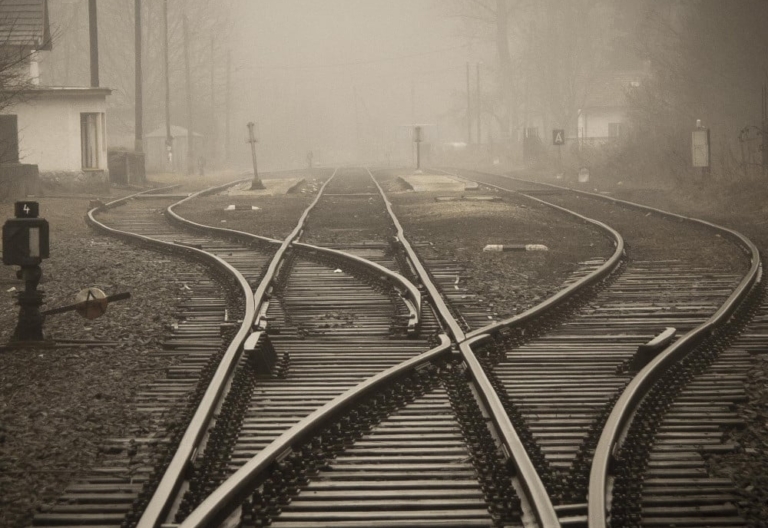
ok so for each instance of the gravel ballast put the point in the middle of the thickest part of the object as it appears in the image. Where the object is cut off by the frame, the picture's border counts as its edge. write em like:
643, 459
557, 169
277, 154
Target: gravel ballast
744, 211
458, 229
58, 406
453, 230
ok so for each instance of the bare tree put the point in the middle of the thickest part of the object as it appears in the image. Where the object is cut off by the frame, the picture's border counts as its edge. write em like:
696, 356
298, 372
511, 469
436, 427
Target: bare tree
547, 55
707, 63
18, 51
68, 64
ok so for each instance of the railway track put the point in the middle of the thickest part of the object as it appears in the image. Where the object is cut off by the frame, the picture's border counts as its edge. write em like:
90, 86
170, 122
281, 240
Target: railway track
428, 457
338, 413
281, 377
671, 413
206, 311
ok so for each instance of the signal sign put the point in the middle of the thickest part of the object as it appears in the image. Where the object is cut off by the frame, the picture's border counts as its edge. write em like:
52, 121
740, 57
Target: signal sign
26, 209
25, 241
558, 136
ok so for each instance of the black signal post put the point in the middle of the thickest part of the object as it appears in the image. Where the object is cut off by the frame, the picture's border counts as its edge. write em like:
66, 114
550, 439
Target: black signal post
25, 244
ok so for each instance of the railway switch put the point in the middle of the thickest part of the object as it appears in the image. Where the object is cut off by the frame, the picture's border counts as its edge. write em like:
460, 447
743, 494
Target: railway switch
260, 353
646, 352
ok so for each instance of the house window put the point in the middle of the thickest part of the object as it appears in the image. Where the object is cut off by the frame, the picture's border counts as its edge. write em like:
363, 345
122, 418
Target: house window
614, 129
92, 139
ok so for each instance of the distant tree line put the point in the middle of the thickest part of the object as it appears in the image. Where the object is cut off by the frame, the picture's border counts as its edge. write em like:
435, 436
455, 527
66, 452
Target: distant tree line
704, 60
708, 62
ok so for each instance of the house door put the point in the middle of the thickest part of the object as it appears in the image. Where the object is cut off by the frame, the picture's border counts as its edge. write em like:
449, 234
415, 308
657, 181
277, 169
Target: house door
92, 139
9, 139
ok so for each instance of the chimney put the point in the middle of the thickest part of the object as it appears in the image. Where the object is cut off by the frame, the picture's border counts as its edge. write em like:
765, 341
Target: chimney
34, 68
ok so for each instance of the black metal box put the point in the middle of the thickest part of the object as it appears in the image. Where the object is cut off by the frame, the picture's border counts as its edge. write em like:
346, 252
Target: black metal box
25, 241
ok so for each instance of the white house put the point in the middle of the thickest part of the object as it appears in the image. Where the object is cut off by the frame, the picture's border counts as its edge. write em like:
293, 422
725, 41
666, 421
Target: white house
604, 112
60, 129
156, 149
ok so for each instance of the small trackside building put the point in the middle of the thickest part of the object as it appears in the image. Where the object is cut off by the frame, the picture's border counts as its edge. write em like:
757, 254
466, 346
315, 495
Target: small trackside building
604, 114
60, 129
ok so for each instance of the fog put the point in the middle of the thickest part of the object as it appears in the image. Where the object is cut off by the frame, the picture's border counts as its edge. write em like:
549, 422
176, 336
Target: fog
341, 77
624, 82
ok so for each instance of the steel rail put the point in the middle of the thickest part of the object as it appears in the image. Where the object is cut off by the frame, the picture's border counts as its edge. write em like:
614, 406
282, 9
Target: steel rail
223, 501
120, 201
529, 479
261, 291
411, 297
434, 293
166, 491
622, 414
175, 217
566, 293
161, 501
410, 294
195, 431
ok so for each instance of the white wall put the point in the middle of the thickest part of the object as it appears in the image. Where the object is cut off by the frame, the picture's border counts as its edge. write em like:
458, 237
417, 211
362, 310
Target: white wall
49, 130
593, 123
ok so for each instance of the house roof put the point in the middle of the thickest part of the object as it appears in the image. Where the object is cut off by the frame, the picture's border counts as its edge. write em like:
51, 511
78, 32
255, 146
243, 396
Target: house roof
66, 90
24, 24
610, 89
176, 131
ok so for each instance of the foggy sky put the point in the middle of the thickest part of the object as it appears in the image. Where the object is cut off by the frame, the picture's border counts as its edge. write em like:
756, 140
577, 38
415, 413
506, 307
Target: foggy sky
336, 75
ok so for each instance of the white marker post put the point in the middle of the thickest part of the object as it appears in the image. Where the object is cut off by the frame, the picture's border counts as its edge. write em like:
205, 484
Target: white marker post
515, 247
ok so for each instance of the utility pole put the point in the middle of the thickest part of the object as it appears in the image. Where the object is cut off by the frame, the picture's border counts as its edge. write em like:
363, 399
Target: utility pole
469, 110
417, 140
764, 130
256, 184
168, 136
479, 108
227, 144
214, 137
357, 123
139, 117
413, 116
190, 121
94, 42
